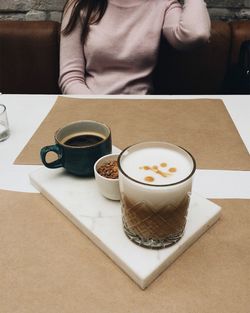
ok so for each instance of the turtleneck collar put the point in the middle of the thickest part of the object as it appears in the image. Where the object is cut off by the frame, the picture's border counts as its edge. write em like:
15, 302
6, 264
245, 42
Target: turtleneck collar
126, 3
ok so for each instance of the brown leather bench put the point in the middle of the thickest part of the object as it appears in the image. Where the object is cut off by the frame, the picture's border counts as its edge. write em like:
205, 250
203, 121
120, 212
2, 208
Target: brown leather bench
29, 57
29, 60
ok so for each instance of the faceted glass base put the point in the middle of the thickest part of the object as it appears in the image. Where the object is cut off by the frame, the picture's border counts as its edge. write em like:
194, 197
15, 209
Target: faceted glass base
153, 243
4, 134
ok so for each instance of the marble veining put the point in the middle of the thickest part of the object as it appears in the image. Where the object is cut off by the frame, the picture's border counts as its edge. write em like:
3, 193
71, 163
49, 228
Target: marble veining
100, 219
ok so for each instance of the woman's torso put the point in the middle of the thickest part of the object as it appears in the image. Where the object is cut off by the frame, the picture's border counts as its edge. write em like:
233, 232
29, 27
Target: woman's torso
121, 50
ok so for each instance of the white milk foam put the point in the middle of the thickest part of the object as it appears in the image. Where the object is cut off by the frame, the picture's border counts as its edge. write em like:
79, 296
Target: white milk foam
172, 165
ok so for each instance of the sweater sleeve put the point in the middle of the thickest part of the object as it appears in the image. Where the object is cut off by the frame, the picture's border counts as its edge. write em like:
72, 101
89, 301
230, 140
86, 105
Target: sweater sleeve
188, 25
72, 61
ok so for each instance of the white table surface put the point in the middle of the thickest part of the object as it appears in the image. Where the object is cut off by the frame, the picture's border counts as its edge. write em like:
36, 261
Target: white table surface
26, 112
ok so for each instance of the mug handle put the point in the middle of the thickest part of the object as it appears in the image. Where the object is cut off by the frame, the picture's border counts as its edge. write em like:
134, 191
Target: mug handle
54, 148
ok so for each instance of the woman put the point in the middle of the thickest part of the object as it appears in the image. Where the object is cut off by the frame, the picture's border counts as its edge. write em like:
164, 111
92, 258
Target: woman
111, 46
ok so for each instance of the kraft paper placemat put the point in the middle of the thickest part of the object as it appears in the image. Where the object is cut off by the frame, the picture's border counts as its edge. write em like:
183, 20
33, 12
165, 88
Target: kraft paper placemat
48, 265
203, 126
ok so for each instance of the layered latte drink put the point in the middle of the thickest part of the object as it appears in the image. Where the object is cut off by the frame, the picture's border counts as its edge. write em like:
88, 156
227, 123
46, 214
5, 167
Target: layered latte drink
155, 182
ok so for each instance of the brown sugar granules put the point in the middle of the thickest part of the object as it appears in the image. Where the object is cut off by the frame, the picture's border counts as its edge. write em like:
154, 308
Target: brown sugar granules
109, 169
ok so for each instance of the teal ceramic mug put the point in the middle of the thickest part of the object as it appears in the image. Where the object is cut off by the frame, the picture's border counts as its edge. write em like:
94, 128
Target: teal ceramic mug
78, 146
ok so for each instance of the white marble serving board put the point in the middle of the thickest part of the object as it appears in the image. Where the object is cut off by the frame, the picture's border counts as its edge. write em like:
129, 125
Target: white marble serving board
100, 219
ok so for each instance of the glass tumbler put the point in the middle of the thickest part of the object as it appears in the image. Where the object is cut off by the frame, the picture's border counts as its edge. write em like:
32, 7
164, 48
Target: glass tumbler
155, 181
4, 125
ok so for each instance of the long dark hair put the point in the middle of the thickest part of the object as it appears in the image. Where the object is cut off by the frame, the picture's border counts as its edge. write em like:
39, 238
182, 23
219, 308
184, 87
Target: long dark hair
90, 11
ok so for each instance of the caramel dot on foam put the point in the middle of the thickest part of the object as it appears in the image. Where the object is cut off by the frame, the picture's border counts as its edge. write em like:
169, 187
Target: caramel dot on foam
155, 167
146, 168
149, 179
163, 164
162, 174
172, 169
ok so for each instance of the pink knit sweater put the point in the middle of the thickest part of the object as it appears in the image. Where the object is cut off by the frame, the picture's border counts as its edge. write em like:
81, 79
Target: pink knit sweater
121, 51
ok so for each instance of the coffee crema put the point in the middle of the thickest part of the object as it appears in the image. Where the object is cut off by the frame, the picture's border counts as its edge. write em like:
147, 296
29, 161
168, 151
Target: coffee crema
82, 140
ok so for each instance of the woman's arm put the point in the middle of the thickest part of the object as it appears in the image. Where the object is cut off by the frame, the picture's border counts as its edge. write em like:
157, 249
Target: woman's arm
72, 62
188, 25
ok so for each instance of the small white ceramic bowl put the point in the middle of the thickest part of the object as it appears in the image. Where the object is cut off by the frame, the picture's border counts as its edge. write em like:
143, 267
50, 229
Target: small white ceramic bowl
108, 187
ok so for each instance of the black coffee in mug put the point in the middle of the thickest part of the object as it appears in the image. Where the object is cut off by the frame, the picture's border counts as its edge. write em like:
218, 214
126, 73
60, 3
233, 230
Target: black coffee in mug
78, 146
83, 140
